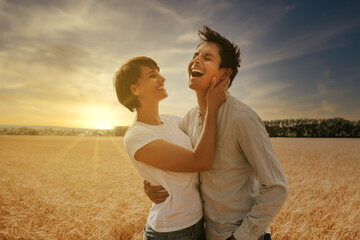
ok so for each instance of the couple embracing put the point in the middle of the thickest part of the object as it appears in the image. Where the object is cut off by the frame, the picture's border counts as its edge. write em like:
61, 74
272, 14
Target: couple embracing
212, 174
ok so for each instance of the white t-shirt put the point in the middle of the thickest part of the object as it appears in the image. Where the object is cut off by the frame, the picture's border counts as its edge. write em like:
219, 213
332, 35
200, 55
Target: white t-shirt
183, 207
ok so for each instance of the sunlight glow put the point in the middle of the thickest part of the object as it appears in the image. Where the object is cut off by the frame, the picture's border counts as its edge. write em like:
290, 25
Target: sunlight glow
104, 125
98, 117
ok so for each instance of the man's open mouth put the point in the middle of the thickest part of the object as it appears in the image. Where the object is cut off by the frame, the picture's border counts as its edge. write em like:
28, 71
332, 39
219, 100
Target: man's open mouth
196, 73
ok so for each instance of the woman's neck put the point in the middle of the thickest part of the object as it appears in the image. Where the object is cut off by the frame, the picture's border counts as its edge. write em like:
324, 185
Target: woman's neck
149, 114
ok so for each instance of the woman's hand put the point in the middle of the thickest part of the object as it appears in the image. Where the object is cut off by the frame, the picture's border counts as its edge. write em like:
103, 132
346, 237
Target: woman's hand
216, 95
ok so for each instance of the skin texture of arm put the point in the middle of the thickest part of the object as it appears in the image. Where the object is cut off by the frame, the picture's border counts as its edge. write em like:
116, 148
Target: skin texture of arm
172, 157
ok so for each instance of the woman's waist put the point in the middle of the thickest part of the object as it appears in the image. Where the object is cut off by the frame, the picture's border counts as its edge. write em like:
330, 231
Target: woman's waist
175, 214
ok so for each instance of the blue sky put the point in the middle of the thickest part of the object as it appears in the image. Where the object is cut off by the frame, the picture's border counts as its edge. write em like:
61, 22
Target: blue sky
300, 59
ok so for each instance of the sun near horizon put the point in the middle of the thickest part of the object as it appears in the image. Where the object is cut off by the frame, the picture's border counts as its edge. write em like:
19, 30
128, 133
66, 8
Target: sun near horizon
89, 116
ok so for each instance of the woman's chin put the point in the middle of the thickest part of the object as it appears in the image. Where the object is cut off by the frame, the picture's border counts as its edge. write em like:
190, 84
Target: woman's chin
165, 95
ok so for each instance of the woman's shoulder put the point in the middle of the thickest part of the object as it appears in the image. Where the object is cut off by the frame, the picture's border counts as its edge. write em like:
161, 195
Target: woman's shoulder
135, 130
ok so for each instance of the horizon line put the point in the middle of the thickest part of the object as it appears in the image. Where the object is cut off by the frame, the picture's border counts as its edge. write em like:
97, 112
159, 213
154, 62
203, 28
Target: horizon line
43, 126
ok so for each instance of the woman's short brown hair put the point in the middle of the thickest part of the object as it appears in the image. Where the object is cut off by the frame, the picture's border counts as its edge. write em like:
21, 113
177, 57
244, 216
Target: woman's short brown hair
128, 74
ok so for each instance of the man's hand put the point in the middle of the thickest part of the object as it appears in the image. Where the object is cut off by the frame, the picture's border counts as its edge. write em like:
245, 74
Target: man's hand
157, 194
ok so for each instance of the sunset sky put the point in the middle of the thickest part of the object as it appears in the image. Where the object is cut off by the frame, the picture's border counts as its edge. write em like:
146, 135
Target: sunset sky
300, 59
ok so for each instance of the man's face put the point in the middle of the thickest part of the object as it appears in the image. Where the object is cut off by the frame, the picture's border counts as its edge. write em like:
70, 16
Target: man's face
205, 65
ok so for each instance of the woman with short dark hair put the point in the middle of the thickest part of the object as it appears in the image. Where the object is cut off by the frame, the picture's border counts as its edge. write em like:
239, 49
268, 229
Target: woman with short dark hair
162, 153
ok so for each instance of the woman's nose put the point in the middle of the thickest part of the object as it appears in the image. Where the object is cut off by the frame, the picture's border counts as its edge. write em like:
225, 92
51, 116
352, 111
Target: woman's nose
162, 79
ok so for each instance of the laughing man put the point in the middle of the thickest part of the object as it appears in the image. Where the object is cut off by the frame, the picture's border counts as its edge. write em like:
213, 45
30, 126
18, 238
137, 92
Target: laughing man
246, 187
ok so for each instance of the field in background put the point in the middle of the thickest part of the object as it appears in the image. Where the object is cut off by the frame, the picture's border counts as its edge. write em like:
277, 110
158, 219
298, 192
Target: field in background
86, 188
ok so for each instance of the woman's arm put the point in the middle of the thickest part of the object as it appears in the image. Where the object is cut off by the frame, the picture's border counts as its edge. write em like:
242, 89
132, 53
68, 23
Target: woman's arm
172, 157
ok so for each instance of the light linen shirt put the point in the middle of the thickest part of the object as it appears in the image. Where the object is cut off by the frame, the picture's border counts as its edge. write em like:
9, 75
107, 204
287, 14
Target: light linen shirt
246, 187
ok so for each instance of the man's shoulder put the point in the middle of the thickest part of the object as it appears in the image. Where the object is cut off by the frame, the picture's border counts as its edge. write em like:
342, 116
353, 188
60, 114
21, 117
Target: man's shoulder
242, 116
189, 120
237, 109
191, 115
168, 118
192, 112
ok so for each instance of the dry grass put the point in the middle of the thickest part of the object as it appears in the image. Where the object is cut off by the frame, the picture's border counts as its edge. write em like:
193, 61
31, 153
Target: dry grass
323, 176
85, 188
69, 188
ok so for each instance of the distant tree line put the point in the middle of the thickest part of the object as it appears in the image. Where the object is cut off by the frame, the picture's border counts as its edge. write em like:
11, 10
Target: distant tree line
117, 131
335, 127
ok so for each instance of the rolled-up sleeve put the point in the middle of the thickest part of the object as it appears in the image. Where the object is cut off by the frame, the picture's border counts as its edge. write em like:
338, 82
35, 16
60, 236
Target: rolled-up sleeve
255, 143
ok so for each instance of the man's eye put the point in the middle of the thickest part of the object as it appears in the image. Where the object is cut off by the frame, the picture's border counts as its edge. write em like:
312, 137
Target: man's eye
152, 76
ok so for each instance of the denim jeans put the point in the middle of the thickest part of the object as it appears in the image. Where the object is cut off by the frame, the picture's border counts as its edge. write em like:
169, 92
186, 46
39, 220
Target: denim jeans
194, 232
266, 236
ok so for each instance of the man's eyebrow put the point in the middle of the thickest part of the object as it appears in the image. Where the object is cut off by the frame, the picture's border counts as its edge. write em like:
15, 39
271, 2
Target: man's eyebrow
206, 54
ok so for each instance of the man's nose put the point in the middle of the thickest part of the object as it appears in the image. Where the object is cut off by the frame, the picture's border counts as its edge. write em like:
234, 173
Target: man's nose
196, 59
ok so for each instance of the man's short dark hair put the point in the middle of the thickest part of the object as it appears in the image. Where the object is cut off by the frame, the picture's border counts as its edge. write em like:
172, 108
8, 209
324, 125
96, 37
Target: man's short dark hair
229, 51
127, 75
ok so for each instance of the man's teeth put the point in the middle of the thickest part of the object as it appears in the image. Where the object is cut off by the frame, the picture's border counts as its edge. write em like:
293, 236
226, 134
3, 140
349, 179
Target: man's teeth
161, 87
196, 71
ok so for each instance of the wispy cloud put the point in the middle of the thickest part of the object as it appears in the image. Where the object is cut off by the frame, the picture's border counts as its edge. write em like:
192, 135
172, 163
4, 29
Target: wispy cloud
57, 58
306, 43
58, 54
188, 37
328, 107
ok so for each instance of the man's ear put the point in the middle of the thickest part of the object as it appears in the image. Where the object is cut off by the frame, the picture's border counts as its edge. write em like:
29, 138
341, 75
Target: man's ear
134, 90
226, 74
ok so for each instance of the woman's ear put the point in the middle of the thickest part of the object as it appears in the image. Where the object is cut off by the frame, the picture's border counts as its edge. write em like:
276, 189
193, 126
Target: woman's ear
134, 90
226, 74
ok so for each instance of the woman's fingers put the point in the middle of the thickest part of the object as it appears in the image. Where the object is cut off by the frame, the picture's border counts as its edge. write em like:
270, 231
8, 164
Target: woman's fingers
225, 82
212, 83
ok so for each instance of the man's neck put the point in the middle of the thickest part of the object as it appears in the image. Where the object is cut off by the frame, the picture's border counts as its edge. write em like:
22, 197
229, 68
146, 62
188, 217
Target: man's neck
149, 114
201, 98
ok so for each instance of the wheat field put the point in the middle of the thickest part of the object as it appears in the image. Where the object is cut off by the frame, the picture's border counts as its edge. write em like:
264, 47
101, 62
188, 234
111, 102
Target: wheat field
57, 187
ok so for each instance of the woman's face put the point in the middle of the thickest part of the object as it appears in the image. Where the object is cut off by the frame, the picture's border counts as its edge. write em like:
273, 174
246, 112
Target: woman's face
150, 86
